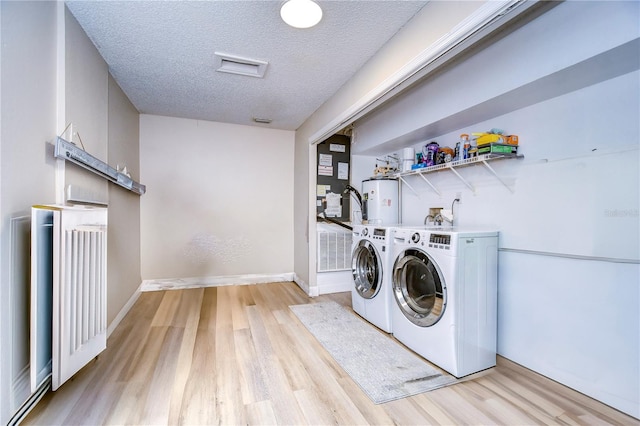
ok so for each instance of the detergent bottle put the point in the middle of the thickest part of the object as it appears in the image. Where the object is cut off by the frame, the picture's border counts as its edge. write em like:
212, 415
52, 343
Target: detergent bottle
430, 153
464, 146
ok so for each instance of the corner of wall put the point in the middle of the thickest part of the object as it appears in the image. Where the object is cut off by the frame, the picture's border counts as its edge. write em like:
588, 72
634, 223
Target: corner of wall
311, 291
124, 311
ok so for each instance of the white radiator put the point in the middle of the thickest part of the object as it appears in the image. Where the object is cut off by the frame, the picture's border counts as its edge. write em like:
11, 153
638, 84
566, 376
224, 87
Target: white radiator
333, 248
85, 276
73, 242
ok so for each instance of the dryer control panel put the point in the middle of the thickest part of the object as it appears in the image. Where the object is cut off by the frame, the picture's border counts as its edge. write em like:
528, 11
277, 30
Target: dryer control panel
440, 241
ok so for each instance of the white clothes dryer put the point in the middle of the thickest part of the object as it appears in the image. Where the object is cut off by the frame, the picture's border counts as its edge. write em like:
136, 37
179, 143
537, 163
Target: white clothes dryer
370, 264
444, 286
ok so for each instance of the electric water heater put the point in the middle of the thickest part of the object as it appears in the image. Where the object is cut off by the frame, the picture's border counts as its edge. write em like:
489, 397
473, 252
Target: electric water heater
380, 203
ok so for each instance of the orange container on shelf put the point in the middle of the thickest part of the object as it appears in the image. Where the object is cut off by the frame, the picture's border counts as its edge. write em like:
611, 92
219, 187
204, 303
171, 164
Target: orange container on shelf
447, 150
511, 140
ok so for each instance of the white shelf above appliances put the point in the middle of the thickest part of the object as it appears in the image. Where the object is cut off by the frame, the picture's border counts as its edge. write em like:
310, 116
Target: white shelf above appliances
452, 166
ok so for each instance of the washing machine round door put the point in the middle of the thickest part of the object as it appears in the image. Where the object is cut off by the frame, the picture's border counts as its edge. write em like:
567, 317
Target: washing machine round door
419, 288
366, 268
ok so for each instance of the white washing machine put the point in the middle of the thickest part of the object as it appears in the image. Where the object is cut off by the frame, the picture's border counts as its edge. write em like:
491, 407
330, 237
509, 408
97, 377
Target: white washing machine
444, 287
371, 267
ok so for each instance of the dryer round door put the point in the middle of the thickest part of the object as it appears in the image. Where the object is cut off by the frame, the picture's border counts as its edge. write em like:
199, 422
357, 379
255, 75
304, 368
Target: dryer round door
366, 267
419, 288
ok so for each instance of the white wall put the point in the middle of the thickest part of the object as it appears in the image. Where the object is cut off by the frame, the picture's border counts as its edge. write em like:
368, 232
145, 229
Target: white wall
433, 23
584, 204
580, 167
27, 114
546, 58
219, 199
569, 273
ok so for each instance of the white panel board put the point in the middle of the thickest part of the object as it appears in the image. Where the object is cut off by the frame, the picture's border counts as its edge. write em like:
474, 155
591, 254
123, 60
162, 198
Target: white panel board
575, 321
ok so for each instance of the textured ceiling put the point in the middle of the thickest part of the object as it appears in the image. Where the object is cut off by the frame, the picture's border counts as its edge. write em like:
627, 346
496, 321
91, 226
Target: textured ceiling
162, 54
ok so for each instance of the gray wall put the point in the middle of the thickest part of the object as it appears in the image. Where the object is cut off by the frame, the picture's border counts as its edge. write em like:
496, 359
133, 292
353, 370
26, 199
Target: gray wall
52, 75
28, 123
107, 124
219, 202
123, 272
85, 106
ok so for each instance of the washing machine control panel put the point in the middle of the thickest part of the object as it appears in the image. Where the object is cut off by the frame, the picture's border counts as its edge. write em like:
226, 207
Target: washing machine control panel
379, 234
440, 241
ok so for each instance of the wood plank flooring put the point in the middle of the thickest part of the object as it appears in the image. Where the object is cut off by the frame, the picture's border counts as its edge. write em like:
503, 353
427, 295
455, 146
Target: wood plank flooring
237, 355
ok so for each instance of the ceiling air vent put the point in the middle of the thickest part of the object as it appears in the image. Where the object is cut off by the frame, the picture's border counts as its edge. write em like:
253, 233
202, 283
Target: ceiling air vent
237, 65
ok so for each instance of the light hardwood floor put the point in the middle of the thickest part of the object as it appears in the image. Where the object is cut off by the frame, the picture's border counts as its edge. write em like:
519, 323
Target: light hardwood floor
237, 355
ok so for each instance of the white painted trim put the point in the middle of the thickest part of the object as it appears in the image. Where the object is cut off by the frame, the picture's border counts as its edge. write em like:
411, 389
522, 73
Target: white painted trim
5, 322
334, 282
312, 235
474, 22
124, 311
218, 281
305, 286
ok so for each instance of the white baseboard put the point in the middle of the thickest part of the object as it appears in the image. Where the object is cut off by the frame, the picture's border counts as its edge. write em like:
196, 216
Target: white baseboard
123, 312
219, 281
337, 282
334, 282
312, 292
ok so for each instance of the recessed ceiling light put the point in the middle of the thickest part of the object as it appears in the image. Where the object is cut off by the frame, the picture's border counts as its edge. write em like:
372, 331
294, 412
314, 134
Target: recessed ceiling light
301, 13
262, 120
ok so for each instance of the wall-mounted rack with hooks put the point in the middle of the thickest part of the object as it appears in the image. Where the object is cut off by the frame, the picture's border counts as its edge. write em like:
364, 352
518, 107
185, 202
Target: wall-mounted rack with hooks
68, 151
452, 166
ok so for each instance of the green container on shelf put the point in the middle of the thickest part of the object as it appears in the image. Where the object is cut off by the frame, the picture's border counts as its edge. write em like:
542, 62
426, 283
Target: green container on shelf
498, 148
